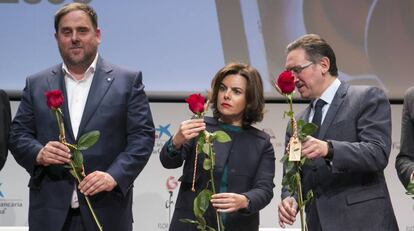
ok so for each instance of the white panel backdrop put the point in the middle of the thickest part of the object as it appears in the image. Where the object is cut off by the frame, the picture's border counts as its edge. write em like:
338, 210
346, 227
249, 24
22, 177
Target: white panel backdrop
151, 194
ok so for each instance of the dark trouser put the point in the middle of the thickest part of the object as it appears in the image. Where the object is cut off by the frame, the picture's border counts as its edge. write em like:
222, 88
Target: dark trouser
73, 221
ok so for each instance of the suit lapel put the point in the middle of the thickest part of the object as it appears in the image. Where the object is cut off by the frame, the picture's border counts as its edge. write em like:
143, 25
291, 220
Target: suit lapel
222, 150
56, 81
101, 82
305, 115
222, 154
333, 109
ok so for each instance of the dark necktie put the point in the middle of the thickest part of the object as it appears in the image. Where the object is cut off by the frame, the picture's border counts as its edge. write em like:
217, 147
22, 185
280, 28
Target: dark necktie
317, 117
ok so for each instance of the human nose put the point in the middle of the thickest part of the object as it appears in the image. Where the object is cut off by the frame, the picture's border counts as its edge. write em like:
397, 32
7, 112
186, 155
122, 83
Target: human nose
75, 37
295, 77
227, 94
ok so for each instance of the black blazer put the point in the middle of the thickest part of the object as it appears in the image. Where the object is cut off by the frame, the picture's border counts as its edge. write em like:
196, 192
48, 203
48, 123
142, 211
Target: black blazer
5, 119
251, 167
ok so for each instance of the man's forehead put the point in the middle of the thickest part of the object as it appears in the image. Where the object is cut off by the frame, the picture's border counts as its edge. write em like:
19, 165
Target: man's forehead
295, 57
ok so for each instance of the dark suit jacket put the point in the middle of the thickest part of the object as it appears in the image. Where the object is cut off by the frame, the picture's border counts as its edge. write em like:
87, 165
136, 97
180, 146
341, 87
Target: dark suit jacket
5, 119
350, 193
405, 159
251, 167
116, 106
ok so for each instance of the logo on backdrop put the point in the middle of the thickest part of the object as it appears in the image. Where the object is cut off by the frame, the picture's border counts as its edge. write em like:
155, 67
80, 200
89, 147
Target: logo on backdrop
8, 204
278, 144
162, 134
1, 192
171, 184
270, 132
163, 130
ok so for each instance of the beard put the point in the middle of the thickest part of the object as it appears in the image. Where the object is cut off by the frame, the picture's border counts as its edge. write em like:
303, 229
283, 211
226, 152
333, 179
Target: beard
83, 59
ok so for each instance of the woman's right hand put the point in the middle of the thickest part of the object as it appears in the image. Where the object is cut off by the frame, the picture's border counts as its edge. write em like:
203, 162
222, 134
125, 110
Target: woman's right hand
188, 129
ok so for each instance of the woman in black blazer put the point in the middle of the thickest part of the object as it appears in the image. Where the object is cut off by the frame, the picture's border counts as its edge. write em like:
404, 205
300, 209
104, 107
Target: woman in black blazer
245, 166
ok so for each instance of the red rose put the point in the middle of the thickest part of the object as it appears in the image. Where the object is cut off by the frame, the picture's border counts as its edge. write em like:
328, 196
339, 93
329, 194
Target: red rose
195, 103
54, 99
286, 82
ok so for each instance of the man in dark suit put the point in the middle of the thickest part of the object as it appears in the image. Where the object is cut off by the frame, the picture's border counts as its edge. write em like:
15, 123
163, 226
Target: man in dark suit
98, 96
349, 152
5, 118
405, 159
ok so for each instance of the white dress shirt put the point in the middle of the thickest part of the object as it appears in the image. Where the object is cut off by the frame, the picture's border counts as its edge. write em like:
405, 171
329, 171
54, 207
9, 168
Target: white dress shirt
77, 93
326, 96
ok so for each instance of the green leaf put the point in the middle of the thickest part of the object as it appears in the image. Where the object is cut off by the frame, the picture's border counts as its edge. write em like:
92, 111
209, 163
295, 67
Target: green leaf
289, 113
289, 167
284, 159
308, 129
211, 136
303, 160
77, 158
73, 173
410, 188
206, 149
200, 143
207, 164
300, 123
67, 166
201, 223
201, 203
210, 228
87, 140
221, 136
285, 180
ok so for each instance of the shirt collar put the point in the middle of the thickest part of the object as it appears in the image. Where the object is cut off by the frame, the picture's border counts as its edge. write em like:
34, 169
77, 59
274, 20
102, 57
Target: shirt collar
91, 69
330, 92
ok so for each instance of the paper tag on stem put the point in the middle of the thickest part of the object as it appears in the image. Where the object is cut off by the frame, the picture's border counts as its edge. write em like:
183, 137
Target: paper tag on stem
295, 149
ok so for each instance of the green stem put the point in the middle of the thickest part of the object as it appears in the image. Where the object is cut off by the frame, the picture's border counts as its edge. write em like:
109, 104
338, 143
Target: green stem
300, 200
70, 145
87, 199
290, 104
220, 225
61, 126
62, 139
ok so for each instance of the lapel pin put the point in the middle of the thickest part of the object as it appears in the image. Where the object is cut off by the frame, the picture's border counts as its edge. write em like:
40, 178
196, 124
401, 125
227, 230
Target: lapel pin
109, 79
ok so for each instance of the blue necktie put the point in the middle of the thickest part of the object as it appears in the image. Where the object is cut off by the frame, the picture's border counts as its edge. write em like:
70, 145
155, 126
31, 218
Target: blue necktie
317, 117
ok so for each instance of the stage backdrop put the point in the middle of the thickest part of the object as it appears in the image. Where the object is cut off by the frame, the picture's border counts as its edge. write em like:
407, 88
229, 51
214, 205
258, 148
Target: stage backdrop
187, 41
151, 210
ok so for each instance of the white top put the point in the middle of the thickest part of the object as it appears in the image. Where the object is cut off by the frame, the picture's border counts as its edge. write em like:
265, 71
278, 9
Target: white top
77, 92
326, 96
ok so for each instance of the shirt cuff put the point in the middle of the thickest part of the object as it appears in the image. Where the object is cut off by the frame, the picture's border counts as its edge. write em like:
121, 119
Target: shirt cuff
172, 152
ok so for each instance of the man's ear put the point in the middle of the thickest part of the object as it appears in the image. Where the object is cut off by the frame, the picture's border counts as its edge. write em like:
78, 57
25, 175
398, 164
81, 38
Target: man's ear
325, 64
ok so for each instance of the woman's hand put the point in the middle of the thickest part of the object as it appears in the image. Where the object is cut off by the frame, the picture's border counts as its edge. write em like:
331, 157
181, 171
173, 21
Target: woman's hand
229, 202
188, 129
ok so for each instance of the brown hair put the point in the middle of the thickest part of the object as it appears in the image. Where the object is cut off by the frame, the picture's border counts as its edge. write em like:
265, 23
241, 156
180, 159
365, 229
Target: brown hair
73, 7
316, 48
254, 91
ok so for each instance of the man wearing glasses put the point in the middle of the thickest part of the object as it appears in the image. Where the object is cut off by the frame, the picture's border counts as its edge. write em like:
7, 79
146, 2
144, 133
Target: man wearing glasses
348, 153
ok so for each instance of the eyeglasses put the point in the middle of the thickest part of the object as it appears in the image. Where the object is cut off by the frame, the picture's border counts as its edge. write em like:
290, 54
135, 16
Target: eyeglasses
298, 69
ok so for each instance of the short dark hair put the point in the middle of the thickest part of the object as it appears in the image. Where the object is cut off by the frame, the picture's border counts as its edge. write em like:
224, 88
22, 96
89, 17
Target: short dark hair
316, 48
254, 91
73, 7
